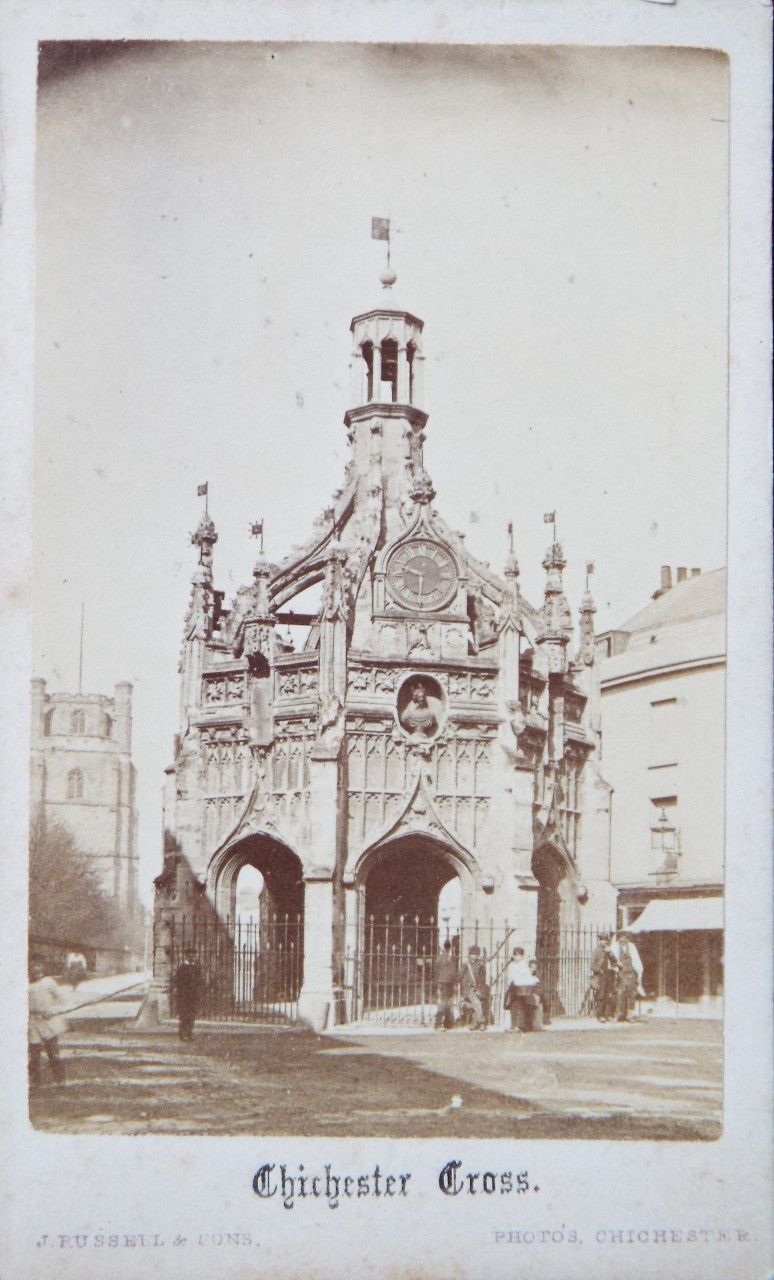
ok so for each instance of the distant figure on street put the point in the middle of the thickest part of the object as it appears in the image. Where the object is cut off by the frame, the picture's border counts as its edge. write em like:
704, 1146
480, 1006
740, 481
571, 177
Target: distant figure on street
46, 1024
604, 979
520, 993
629, 973
189, 989
472, 984
76, 968
540, 1015
445, 976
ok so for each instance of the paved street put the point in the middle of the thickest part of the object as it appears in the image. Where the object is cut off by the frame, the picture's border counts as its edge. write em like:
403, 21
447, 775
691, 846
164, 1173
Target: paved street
657, 1080
660, 1068
112, 996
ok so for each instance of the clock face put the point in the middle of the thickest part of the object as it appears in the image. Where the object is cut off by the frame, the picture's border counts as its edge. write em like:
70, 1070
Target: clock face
422, 575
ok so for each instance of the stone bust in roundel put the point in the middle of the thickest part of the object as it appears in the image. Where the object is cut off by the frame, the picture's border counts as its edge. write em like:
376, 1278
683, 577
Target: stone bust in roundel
418, 718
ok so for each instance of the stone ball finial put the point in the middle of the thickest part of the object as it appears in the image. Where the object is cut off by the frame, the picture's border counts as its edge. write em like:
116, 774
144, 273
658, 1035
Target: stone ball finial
388, 277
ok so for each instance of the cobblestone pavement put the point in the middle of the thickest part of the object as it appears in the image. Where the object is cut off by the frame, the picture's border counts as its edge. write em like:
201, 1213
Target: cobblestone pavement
657, 1081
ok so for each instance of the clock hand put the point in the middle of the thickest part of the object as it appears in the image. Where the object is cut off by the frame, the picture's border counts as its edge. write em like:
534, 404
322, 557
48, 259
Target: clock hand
421, 577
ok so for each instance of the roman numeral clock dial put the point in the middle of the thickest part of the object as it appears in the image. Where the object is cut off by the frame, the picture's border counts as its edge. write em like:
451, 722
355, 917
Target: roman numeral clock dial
422, 575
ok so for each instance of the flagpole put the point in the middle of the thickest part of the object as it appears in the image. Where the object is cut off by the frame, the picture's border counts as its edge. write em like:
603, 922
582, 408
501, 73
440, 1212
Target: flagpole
80, 654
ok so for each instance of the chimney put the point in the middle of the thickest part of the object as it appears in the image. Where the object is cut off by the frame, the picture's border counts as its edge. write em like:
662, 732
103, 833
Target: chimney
682, 574
695, 573
666, 581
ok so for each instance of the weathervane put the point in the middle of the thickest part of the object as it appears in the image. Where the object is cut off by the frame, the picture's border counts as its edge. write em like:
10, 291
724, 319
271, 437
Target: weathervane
380, 230
256, 531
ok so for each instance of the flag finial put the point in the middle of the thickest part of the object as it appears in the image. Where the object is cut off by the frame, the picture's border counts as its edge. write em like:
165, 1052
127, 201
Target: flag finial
380, 230
256, 531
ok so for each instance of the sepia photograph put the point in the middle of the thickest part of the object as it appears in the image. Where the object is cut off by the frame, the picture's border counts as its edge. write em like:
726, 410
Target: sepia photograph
380, 451
393, 619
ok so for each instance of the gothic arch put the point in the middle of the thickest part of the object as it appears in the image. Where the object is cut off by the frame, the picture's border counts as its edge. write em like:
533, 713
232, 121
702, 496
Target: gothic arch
280, 866
557, 879
404, 874
75, 784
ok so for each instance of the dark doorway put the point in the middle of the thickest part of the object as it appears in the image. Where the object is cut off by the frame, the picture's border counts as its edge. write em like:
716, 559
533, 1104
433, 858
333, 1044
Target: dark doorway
401, 929
406, 880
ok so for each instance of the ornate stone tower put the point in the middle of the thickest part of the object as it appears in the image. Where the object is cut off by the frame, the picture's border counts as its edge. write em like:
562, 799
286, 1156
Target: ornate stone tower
425, 728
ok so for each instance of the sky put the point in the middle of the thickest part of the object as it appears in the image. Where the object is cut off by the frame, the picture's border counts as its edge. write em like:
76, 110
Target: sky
203, 240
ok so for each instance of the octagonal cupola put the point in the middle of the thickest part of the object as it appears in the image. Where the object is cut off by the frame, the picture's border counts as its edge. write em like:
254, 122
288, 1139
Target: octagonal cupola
387, 344
386, 353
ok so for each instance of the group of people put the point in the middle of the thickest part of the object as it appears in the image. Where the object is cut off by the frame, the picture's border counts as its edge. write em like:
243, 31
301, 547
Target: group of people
616, 977
523, 995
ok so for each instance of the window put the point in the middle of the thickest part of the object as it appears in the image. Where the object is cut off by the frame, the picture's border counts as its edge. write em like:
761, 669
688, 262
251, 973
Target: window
77, 722
663, 732
389, 389
75, 784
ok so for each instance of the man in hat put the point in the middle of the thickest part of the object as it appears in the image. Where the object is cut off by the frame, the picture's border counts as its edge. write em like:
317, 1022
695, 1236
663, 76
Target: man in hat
629, 973
189, 988
604, 975
472, 983
446, 980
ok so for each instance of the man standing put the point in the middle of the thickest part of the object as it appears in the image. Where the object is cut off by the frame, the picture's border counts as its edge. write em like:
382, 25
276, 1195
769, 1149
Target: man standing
604, 968
189, 988
45, 1024
520, 994
446, 980
472, 981
629, 973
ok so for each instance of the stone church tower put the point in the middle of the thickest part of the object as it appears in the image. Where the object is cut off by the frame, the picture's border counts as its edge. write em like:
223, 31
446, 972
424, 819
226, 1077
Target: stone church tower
82, 776
431, 726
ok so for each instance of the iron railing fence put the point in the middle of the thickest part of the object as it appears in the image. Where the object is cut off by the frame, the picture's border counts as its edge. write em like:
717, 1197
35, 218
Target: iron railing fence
252, 969
564, 964
388, 971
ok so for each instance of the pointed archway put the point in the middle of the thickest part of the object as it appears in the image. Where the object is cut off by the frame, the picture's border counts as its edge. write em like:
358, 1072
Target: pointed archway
401, 929
255, 963
557, 941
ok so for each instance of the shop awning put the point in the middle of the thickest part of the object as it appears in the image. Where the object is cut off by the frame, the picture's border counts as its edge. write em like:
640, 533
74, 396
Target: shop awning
675, 915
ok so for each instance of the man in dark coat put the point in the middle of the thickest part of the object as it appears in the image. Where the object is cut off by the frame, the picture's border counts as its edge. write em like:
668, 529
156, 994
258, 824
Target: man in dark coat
604, 979
472, 983
189, 988
446, 980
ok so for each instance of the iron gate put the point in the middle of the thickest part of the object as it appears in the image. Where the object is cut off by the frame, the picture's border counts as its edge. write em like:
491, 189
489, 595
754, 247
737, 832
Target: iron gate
252, 970
388, 969
564, 964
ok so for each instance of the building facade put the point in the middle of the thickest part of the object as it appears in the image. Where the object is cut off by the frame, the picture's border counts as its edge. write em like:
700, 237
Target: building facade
418, 734
83, 777
663, 731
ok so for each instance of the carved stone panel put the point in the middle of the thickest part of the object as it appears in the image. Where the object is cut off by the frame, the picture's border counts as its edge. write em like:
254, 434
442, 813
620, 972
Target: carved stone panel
226, 688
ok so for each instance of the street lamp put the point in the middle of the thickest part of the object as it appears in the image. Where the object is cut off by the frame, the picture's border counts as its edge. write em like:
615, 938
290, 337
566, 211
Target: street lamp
665, 840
